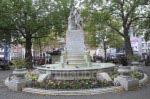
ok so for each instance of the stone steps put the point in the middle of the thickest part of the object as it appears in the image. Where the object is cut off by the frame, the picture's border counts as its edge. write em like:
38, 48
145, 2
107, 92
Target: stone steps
76, 60
76, 64
75, 57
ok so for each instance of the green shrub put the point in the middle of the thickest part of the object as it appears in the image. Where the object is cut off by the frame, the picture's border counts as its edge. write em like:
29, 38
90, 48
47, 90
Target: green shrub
18, 63
32, 76
136, 74
114, 75
135, 58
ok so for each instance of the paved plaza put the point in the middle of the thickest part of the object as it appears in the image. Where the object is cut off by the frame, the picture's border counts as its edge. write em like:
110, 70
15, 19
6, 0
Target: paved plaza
141, 93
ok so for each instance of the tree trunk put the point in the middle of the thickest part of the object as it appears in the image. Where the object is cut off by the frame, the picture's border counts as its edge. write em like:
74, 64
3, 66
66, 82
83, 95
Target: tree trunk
128, 48
28, 53
40, 47
104, 44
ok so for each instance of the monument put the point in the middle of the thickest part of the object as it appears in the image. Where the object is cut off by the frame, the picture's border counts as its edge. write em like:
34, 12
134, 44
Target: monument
75, 48
75, 63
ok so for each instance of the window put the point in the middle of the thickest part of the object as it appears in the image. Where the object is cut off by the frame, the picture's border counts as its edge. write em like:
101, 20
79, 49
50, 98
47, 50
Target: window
142, 44
143, 50
1, 53
142, 38
148, 44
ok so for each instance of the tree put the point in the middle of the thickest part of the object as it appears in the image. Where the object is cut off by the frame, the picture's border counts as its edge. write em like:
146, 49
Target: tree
120, 15
90, 24
145, 26
40, 43
5, 22
126, 13
60, 14
98, 31
29, 19
108, 39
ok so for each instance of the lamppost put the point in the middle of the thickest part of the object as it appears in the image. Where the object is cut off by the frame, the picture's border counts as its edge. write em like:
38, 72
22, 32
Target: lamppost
105, 49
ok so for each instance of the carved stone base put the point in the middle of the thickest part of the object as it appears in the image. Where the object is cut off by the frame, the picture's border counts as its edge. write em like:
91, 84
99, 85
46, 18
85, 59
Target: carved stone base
16, 84
127, 82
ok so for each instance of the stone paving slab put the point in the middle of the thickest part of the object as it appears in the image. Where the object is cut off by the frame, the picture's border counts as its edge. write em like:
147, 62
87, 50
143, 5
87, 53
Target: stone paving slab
1, 84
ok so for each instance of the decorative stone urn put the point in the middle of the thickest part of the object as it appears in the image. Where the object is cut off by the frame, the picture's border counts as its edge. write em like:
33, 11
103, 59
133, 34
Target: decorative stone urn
16, 81
20, 72
19, 65
124, 71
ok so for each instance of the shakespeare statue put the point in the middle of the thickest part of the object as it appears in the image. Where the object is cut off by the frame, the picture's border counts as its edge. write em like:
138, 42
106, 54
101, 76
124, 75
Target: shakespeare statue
74, 20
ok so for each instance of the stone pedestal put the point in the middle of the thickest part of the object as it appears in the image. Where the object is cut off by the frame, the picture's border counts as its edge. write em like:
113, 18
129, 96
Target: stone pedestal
16, 84
75, 48
75, 42
16, 81
127, 82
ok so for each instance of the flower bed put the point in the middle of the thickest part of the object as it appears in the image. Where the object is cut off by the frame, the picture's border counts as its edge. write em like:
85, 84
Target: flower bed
75, 84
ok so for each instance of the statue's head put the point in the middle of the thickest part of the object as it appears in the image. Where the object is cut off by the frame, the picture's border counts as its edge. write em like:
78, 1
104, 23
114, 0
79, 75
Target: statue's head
73, 8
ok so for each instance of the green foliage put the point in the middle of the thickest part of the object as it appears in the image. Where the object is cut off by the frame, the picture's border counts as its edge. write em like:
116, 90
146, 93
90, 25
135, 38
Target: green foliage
60, 16
95, 25
32, 76
135, 58
5, 21
146, 26
18, 63
118, 15
136, 74
147, 36
30, 18
115, 40
91, 39
24, 20
114, 75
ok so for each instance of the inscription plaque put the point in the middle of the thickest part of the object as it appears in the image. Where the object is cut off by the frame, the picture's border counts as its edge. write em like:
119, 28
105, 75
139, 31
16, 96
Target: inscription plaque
75, 42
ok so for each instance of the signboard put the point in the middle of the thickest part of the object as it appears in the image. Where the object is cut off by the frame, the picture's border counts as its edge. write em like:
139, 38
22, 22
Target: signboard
135, 44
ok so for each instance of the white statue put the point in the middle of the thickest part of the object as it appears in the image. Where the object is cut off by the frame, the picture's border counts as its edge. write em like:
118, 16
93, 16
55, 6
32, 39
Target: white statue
74, 20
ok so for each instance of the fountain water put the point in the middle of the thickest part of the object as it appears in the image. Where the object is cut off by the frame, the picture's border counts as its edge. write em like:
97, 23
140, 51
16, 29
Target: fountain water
75, 60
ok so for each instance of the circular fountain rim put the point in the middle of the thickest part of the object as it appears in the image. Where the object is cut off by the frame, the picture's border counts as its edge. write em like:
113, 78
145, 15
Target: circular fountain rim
94, 66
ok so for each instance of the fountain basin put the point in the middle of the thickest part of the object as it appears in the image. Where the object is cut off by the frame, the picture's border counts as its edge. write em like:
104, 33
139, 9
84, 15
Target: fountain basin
57, 72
